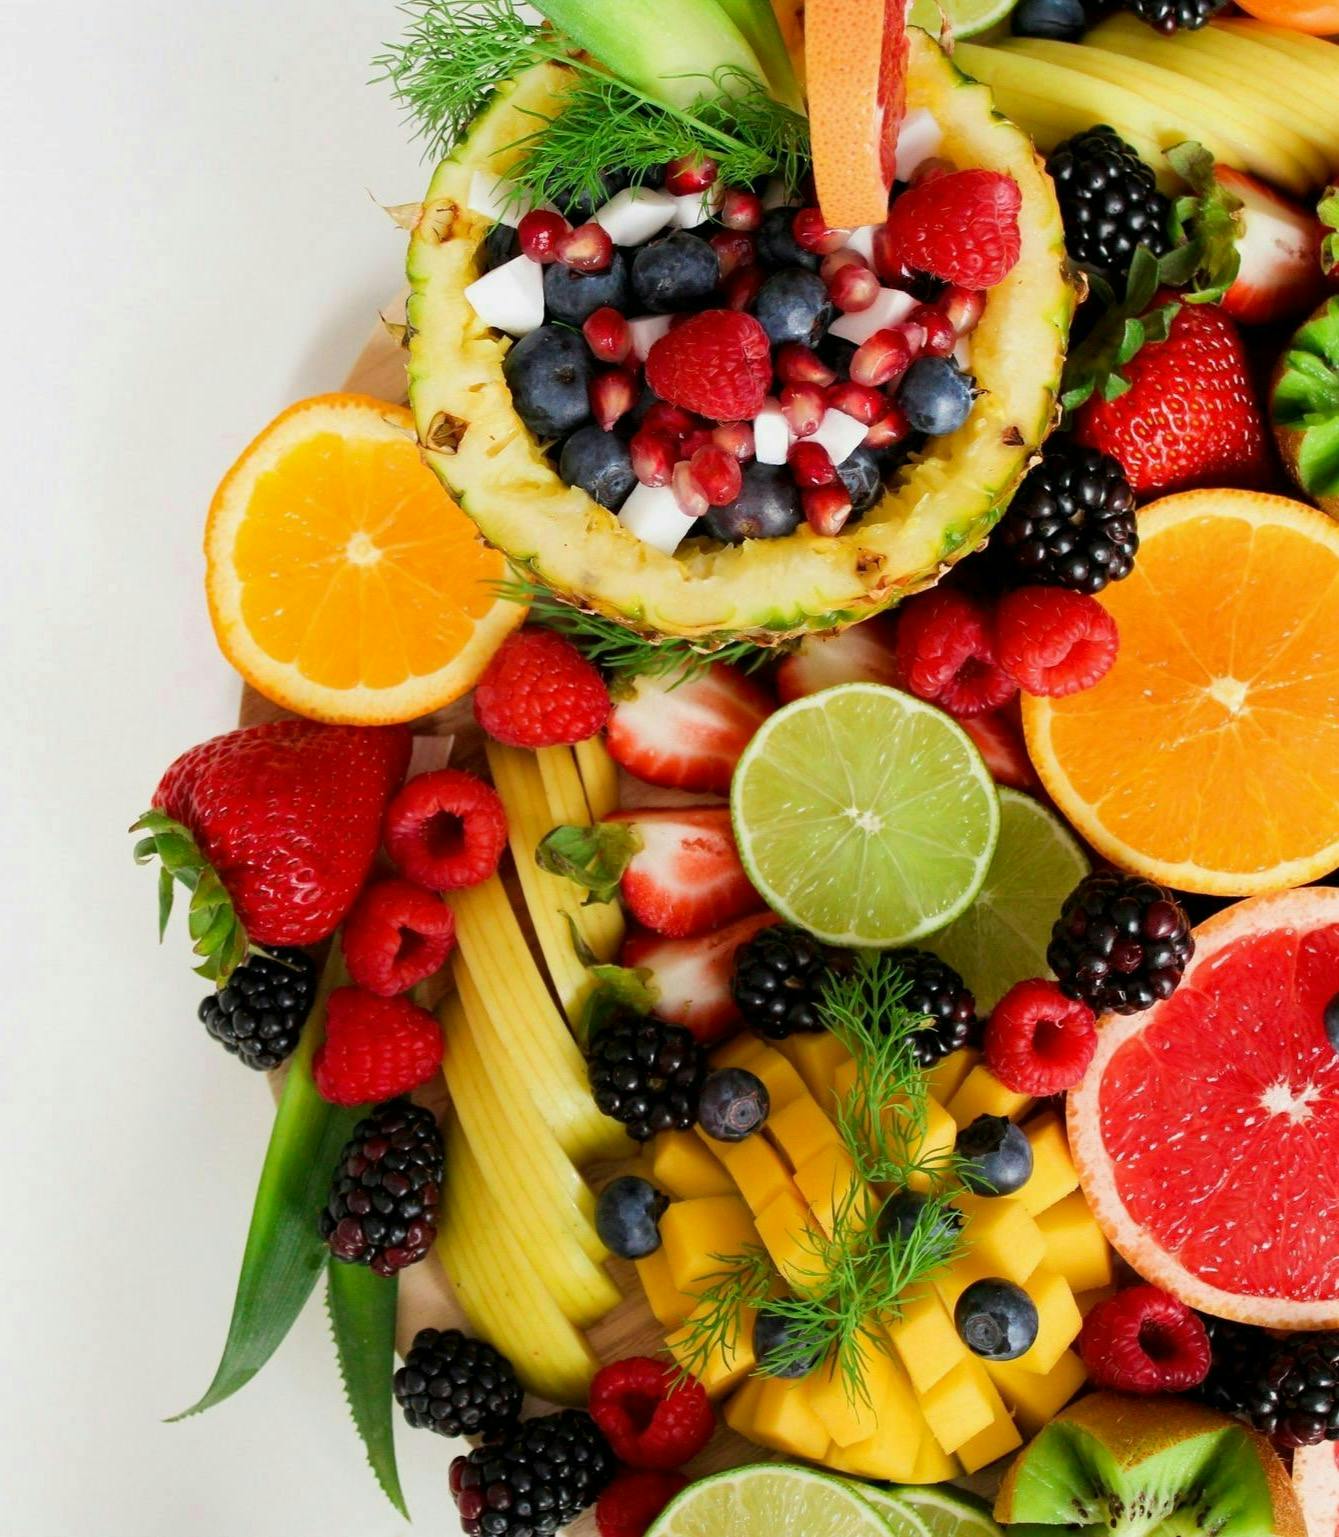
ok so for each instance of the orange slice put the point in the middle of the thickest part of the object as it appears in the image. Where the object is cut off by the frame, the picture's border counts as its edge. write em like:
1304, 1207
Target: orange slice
343, 582
1208, 757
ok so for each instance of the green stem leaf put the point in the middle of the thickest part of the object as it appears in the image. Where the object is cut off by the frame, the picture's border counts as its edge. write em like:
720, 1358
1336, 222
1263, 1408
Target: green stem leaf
361, 1306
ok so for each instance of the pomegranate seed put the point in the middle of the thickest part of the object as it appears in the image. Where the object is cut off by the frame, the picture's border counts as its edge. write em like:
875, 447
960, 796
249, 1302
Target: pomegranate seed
740, 289
699, 437
803, 406
811, 465
587, 248
937, 333
735, 438
890, 429
913, 335
692, 499
613, 395
881, 359
718, 473
962, 306
826, 508
653, 456
540, 233
859, 400
690, 173
741, 209
813, 233
834, 261
733, 250
672, 421
853, 289
608, 335
798, 364
886, 263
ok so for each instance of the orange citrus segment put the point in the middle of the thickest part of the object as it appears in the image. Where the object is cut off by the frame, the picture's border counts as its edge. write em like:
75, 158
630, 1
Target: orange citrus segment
343, 582
1208, 757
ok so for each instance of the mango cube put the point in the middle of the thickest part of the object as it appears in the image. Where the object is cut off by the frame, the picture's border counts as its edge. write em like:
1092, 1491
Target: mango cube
783, 1083
731, 1358
799, 1128
932, 1152
997, 1440
1037, 1397
1058, 1319
945, 1078
816, 1056
699, 1237
756, 1168
926, 1341
682, 1164
894, 1447
787, 1232
828, 1181
1076, 1247
933, 1464
960, 1405
668, 1304
981, 1093
1000, 1240
888, 1398
1053, 1173
774, 1413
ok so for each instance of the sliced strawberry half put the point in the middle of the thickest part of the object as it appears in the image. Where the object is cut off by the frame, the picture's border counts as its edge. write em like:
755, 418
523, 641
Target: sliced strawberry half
689, 979
864, 653
1000, 742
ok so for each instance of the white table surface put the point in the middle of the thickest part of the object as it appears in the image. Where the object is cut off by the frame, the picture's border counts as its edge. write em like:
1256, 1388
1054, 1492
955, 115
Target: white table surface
187, 243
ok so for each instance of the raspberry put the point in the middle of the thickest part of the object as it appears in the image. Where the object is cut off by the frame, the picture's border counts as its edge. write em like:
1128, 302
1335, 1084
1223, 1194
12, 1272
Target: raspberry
718, 363
1143, 1340
539, 691
1038, 1041
648, 1420
374, 1048
445, 830
1053, 641
396, 935
630, 1504
962, 227
946, 654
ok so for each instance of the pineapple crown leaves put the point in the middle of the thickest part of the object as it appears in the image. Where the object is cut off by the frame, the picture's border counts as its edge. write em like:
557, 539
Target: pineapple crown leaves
1327, 211
1210, 216
595, 857
219, 938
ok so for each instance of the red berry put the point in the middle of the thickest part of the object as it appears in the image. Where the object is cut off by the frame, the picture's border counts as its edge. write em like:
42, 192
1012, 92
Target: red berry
649, 1417
962, 306
690, 496
813, 233
826, 508
937, 334
811, 465
540, 233
740, 289
612, 395
862, 401
882, 358
740, 209
804, 406
1054, 642
889, 430
374, 1048
735, 438
733, 250
834, 261
962, 226
699, 437
669, 421
1144, 1340
717, 472
397, 935
853, 288
946, 655
690, 173
588, 248
539, 691
717, 363
886, 262
608, 335
630, 1504
653, 457
446, 830
1038, 1041
798, 364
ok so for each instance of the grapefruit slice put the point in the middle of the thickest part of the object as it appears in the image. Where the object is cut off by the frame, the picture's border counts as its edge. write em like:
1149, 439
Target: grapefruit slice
1206, 1130
855, 59
1316, 1483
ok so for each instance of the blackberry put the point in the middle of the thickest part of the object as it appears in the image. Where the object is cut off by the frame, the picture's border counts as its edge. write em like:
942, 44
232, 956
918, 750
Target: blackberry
937, 991
1286, 1388
1168, 16
457, 1386
541, 1477
778, 979
1120, 944
259, 1015
647, 1074
1109, 202
1071, 522
382, 1209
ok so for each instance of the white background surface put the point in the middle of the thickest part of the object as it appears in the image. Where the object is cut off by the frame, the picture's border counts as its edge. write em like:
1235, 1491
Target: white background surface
187, 243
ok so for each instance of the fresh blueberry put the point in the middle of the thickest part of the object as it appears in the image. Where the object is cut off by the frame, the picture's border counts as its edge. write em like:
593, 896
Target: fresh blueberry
548, 373
676, 272
772, 1341
733, 1105
627, 1216
767, 507
997, 1156
600, 463
862, 476
793, 306
936, 396
501, 244
580, 209
902, 1211
1064, 20
573, 296
777, 245
1332, 1021
996, 1319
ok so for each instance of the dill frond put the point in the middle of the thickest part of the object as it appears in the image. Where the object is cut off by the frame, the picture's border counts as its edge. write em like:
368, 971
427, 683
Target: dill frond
744, 1280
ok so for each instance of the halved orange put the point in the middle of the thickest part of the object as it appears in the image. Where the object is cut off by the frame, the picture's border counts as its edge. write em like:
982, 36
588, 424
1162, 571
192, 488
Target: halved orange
1208, 757
343, 581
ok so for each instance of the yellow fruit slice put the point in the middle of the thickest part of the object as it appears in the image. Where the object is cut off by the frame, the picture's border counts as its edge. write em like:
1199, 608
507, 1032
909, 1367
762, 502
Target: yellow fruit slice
343, 582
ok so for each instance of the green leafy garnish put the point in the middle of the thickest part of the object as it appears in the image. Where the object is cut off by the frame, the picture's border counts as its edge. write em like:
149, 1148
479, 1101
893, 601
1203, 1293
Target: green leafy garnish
1327, 211
361, 1306
220, 940
1210, 217
593, 856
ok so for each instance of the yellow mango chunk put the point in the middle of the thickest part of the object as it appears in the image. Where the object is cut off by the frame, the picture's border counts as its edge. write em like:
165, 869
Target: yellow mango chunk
945, 1078
682, 1164
757, 1169
699, 1238
959, 1406
1075, 1246
783, 1083
774, 1413
786, 1229
926, 1341
1087, 1301
668, 1304
933, 1464
1053, 1173
731, 1358
1000, 1239
893, 1451
934, 1148
828, 1181
816, 1056
890, 1398
1058, 1319
1037, 1397
997, 1440
799, 1128
981, 1093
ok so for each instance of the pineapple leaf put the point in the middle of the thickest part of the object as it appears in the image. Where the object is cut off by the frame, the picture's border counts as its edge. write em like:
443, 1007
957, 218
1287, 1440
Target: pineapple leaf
361, 1308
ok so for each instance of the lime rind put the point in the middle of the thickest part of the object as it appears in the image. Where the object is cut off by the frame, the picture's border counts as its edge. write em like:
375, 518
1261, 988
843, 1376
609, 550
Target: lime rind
767, 1499
946, 1511
965, 18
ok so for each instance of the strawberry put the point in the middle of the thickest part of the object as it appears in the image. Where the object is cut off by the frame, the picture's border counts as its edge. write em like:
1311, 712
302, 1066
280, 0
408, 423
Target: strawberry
688, 980
864, 653
687, 733
676, 868
1000, 743
273, 830
1278, 245
1190, 416
962, 227
717, 363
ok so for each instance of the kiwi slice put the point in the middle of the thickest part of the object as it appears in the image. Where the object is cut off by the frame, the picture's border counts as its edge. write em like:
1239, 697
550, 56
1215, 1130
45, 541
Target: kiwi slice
1304, 407
1116, 1466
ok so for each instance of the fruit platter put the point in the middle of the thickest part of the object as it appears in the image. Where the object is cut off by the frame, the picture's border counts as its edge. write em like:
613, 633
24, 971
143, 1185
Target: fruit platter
780, 859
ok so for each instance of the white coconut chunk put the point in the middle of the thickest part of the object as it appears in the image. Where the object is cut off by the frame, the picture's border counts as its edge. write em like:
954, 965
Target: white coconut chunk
861, 241
646, 332
840, 434
890, 306
510, 297
962, 353
633, 216
694, 208
917, 140
772, 436
774, 194
500, 200
653, 514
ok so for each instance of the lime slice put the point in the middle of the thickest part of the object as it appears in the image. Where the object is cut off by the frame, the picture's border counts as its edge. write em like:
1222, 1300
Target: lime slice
1002, 937
768, 1499
898, 1515
864, 815
947, 1512
965, 17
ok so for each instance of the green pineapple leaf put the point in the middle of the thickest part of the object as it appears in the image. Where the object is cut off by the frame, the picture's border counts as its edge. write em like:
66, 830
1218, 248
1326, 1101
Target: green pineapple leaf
361, 1307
